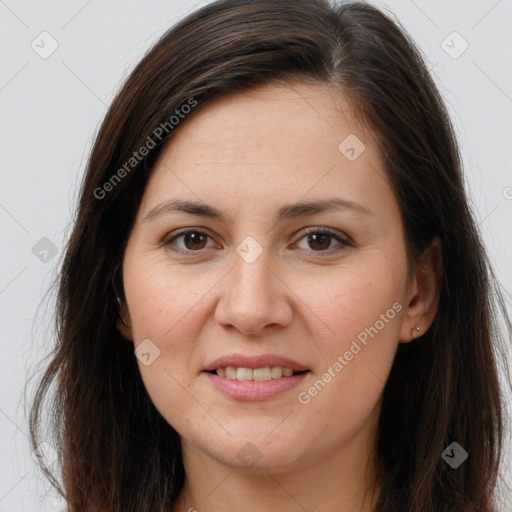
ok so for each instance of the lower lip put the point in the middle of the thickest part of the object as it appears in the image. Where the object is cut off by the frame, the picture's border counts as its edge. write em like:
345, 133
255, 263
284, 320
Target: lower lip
253, 390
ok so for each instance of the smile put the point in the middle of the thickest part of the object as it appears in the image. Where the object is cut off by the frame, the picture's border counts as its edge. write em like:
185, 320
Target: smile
259, 374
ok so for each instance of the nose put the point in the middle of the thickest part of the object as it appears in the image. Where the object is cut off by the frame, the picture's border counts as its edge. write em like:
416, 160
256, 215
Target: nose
254, 296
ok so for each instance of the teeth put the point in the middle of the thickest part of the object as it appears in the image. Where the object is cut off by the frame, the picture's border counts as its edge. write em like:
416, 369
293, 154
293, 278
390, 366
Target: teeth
261, 373
276, 372
265, 373
230, 372
244, 374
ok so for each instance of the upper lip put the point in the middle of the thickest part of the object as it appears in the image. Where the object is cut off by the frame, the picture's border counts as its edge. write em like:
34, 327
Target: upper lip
259, 361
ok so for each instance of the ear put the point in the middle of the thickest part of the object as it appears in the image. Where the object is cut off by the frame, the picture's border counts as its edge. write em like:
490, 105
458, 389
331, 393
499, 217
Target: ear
124, 327
423, 292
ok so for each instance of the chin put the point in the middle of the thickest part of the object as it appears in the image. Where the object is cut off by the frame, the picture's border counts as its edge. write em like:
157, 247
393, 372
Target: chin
257, 461
256, 453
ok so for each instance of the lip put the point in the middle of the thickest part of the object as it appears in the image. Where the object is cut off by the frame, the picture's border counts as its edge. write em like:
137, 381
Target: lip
252, 390
258, 361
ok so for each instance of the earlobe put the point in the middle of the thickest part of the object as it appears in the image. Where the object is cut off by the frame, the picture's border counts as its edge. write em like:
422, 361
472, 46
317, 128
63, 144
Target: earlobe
423, 293
123, 326
124, 329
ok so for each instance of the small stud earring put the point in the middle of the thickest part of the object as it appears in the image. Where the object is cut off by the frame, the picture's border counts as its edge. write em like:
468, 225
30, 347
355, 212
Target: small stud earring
417, 329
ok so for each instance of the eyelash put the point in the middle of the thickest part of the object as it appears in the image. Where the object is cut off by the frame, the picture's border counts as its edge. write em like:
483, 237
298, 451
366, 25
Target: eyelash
308, 231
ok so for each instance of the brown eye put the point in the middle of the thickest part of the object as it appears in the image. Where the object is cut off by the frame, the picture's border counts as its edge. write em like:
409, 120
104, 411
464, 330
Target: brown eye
320, 240
192, 240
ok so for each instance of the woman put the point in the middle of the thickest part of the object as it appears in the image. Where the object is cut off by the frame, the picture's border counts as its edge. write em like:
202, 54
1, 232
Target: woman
275, 295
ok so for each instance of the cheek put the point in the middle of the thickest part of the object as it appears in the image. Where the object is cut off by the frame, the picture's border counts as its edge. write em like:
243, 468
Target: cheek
169, 306
163, 298
164, 309
353, 300
364, 314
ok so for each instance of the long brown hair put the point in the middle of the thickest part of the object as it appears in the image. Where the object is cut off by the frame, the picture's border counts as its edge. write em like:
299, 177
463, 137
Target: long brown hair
116, 452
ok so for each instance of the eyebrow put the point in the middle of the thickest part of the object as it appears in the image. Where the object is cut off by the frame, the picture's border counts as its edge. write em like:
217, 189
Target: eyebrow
291, 211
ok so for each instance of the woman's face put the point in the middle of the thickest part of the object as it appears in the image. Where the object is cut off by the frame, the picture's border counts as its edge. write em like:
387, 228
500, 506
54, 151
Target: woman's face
260, 286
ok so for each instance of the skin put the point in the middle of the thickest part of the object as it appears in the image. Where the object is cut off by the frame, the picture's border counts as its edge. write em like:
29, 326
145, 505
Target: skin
248, 154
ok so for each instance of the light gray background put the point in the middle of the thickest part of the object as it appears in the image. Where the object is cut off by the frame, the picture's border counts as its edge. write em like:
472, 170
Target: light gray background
51, 109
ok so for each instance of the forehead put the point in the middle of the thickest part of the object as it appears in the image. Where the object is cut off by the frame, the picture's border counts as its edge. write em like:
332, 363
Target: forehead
282, 140
276, 115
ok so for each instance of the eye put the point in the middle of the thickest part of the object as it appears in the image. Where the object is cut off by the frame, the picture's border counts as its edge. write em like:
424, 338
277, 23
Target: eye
320, 239
193, 240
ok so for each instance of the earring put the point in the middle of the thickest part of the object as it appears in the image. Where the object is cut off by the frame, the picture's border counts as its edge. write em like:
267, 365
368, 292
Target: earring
417, 329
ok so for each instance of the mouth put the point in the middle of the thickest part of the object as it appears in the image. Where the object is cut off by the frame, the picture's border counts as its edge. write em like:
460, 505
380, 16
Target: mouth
254, 384
256, 377
262, 374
